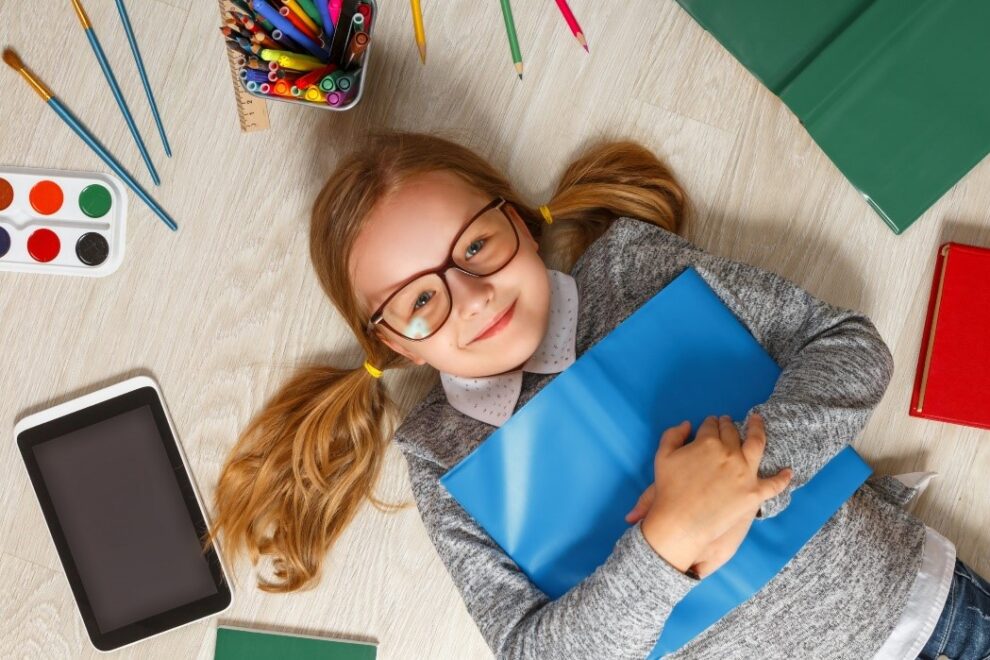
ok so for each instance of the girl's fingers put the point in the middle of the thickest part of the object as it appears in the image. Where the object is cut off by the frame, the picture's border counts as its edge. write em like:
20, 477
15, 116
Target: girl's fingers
756, 440
642, 505
708, 427
773, 486
728, 433
674, 438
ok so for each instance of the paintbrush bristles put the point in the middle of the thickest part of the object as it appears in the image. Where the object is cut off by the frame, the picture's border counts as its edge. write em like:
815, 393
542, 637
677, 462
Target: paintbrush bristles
12, 60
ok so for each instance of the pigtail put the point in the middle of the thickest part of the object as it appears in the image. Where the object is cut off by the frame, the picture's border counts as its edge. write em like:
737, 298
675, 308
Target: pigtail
610, 180
301, 469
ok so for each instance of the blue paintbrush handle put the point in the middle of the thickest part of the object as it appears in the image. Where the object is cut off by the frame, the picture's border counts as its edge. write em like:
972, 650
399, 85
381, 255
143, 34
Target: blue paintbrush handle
144, 76
81, 131
115, 88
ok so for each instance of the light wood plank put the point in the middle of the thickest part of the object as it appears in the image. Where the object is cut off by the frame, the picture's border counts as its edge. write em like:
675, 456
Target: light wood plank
221, 312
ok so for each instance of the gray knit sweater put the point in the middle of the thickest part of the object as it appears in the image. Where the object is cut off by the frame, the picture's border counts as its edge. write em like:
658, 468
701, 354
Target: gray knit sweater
839, 597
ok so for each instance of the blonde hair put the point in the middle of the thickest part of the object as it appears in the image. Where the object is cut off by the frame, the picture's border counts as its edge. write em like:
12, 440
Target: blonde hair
302, 467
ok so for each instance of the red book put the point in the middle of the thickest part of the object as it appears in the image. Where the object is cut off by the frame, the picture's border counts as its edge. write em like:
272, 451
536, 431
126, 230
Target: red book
952, 383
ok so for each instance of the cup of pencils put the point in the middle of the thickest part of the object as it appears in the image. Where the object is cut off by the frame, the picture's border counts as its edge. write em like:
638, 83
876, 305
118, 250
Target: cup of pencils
310, 52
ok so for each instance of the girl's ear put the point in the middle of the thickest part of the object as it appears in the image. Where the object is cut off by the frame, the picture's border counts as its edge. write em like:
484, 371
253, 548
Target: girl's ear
524, 232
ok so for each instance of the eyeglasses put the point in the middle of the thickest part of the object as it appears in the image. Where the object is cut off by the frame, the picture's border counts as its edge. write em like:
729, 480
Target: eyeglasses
420, 306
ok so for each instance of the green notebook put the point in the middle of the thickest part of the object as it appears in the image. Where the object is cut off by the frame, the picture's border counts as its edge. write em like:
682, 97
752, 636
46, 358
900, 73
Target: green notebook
895, 92
245, 644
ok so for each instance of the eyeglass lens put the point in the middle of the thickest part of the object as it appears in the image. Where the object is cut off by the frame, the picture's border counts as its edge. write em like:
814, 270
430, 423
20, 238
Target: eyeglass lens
420, 308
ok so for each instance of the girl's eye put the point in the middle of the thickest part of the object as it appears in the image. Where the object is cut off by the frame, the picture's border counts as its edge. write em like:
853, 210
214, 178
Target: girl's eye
422, 300
476, 244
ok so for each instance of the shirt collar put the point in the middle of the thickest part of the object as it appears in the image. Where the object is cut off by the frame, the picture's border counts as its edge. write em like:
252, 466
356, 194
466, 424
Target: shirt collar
492, 399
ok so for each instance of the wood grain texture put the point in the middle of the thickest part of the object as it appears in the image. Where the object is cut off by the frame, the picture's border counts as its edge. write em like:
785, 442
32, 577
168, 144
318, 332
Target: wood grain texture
222, 311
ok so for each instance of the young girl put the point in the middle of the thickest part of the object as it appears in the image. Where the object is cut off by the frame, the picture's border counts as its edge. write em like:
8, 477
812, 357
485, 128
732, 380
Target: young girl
432, 258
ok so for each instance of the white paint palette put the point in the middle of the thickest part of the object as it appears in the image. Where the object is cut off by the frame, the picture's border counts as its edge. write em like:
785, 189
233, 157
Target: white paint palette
61, 222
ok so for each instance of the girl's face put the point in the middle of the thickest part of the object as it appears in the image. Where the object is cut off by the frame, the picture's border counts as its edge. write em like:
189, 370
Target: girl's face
411, 230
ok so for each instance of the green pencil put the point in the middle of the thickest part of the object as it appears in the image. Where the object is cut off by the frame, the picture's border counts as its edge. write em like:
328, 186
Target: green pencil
510, 30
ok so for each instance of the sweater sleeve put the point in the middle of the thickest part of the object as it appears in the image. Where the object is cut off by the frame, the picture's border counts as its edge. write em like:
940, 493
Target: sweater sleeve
616, 612
834, 365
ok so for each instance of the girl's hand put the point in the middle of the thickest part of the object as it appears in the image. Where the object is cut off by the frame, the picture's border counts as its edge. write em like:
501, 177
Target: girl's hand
722, 549
718, 551
642, 505
705, 489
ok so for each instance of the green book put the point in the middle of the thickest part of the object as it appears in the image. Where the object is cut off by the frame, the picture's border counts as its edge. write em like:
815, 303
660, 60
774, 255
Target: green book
246, 644
895, 92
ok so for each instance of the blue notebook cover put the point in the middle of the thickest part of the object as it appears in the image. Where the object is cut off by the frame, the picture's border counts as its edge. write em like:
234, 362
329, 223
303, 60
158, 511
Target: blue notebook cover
553, 484
682, 355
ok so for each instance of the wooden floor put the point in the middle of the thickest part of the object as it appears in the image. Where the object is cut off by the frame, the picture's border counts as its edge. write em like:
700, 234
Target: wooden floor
220, 312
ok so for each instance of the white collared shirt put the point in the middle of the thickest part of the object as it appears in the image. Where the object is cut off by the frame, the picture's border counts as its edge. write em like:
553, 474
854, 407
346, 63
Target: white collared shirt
492, 399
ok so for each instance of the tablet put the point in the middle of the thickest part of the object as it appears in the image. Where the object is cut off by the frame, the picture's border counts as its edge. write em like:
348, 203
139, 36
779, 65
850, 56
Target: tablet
123, 512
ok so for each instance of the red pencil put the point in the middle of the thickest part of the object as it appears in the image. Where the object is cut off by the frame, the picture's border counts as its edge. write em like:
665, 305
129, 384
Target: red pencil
572, 23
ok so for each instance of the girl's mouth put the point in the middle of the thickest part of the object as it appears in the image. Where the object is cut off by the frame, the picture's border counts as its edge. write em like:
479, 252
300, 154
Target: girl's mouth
498, 325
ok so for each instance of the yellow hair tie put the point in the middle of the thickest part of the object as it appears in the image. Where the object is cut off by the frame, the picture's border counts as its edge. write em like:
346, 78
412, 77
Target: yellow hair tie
545, 210
377, 373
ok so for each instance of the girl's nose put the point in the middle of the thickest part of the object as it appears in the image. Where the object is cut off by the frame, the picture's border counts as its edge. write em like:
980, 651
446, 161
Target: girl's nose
469, 295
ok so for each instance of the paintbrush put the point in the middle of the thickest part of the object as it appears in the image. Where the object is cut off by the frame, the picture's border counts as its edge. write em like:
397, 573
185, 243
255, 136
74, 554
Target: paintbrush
15, 63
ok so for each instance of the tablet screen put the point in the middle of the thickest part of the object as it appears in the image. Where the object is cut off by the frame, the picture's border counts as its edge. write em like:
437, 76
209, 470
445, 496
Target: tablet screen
124, 519
124, 516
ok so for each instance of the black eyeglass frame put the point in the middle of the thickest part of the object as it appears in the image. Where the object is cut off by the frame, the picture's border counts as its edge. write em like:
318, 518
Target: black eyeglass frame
379, 316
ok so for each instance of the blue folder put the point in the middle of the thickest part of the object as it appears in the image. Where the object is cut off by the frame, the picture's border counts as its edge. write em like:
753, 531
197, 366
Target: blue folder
553, 484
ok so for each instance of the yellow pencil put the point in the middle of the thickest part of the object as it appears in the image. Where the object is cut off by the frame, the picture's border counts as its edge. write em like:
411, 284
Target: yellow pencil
417, 14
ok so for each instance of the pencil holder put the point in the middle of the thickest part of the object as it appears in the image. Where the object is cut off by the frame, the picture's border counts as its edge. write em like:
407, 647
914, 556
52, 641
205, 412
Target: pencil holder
333, 75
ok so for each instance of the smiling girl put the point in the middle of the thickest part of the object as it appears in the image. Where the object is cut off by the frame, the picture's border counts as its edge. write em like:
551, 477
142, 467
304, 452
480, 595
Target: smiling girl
431, 257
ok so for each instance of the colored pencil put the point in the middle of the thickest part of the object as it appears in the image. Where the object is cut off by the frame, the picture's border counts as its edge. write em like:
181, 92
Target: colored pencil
144, 75
417, 16
12, 60
114, 87
255, 31
510, 30
572, 23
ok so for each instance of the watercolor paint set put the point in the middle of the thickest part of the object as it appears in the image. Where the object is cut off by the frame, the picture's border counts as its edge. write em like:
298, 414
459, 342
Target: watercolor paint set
61, 222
